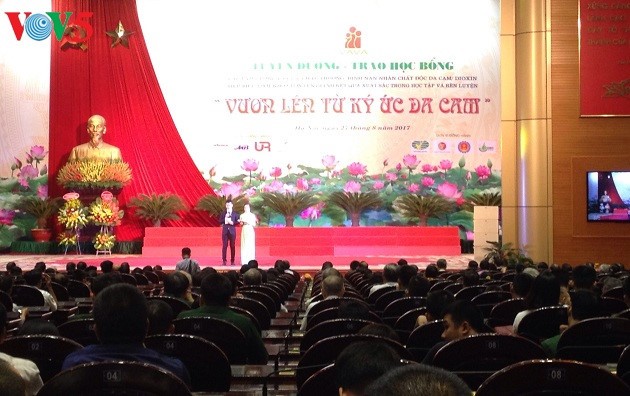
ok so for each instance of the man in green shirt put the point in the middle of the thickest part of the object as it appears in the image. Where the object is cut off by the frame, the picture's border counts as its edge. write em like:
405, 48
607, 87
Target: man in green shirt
216, 290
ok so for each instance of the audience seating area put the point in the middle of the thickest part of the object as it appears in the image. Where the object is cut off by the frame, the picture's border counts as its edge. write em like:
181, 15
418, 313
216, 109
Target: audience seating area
592, 355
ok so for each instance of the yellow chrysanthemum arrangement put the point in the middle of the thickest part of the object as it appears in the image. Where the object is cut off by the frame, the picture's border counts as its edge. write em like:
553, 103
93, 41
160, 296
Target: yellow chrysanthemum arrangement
93, 173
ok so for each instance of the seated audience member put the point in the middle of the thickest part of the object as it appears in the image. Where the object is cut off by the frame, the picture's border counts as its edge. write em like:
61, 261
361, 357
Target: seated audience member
418, 286
564, 278
545, 292
584, 305
25, 368
160, 317
521, 284
40, 266
272, 274
332, 287
38, 326
583, 277
82, 265
405, 273
325, 274
252, 277
470, 278
125, 268
353, 309
354, 266
390, 278
441, 264
473, 265
107, 266
432, 272
216, 291
402, 262
380, 329
198, 277
99, 283
187, 264
461, 319
6, 285
121, 324
10, 381
418, 380
10, 266
177, 284
611, 282
42, 282
360, 363
626, 291
437, 301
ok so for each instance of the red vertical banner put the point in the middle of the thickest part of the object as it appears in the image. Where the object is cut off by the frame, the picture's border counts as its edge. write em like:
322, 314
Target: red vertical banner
604, 58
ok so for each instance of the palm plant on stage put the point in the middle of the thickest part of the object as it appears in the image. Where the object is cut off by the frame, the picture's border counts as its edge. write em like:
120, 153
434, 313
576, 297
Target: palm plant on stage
215, 204
354, 203
288, 204
414, 206
158, 207
487, 198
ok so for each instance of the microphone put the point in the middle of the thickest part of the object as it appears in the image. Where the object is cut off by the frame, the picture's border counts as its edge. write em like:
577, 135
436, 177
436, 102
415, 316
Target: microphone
288, 370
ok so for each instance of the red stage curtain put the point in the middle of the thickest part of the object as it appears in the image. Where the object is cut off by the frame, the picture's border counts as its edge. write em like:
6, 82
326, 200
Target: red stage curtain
120, 84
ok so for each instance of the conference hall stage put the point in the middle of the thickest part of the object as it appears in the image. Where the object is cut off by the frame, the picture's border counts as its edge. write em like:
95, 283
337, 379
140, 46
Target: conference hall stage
306, 248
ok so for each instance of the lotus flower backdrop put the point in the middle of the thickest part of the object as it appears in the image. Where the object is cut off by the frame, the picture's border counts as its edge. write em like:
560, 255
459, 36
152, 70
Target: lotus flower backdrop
453, 191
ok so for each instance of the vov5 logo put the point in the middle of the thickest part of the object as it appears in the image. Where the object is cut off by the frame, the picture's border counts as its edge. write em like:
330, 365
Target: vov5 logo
40, 26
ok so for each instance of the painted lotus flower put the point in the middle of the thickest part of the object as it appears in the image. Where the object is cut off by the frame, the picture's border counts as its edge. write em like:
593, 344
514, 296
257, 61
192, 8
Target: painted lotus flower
449, 190
379, 185
329, 162
411, 161
446, 164
230, 189
274, 186
42, 191
357, 169
312, 212
6, 216
38, 153
275, 172
413, 188
301, 184
398, 167
483, 172
316, 181
426, 168
391, 176
26, 173
17, 164
352, 187
427, 181
250, 165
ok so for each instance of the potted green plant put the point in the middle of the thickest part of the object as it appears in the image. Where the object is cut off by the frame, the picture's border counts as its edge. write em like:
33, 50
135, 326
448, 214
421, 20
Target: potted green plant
158, 207
43, 210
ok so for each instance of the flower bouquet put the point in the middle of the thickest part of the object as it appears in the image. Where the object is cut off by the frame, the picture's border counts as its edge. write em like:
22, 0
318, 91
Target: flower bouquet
73, 215
105, 212
104, 241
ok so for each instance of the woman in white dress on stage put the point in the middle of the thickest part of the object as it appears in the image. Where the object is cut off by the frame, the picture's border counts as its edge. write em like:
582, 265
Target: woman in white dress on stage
248, 235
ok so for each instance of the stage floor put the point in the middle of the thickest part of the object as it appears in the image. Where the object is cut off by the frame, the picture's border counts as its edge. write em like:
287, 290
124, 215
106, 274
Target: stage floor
26, 262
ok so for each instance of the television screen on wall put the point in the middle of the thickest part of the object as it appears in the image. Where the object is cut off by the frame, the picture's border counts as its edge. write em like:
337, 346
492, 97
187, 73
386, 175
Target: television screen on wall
608, 196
